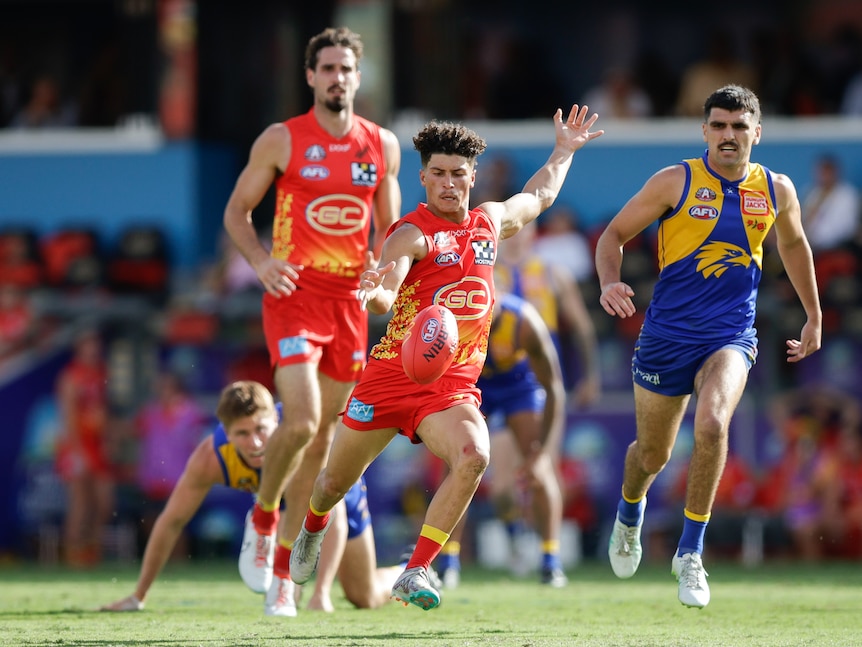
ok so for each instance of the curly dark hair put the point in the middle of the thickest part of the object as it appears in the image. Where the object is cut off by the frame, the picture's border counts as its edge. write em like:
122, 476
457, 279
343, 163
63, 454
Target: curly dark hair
332, 37
732, 98
447, 138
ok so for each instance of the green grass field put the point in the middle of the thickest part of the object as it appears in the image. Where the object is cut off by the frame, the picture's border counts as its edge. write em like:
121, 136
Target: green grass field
205, 604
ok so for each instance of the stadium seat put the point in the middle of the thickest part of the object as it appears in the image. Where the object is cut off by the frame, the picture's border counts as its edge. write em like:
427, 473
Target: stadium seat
20, 260
72, 258
140, 264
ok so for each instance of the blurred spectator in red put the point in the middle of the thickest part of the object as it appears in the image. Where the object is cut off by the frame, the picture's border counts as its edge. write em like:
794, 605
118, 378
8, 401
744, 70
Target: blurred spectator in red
45, 107
17, 320
796, 489
839, 477
618, 96
830, 207
168, 428
579, 504
20, 260
83, 453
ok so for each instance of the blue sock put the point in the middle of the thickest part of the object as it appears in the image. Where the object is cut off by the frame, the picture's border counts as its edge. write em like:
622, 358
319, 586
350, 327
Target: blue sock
691, 540
550, 561
631, 514
445, 562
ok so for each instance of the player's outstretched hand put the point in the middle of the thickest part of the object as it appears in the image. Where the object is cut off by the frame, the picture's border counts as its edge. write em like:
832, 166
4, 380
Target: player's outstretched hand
575, 131
370, 280
130, 603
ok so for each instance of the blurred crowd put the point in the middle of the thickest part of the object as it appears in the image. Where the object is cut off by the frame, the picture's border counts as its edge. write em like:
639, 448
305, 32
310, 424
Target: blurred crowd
797, 69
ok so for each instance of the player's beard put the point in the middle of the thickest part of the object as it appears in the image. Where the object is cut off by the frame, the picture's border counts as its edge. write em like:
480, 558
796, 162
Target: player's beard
336, 104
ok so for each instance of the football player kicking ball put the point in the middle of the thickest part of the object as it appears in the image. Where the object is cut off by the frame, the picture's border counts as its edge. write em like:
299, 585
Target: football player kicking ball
233, 456
441, 253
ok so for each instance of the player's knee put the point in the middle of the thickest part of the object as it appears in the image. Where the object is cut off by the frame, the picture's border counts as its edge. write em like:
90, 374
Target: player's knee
301, 434
652, 461
473, 461
710, 430
363, 599
331, 486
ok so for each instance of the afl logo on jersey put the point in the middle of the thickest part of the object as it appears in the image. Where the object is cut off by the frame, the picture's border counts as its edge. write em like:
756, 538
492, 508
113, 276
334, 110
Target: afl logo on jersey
703, 212
337, 215
447, 259
314, 172
469, 298
315, 153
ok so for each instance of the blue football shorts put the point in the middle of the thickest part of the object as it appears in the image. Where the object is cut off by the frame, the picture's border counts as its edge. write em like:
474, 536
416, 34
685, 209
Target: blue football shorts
669, 367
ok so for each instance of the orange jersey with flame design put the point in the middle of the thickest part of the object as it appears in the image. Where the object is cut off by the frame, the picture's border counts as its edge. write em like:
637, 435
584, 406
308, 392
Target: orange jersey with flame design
458, 272
710, 251
324, 202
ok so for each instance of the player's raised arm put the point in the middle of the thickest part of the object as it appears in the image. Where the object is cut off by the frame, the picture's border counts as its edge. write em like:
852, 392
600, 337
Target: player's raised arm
544, 186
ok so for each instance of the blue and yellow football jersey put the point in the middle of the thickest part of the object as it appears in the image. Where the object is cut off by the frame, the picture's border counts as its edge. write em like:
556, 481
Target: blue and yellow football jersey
710, 253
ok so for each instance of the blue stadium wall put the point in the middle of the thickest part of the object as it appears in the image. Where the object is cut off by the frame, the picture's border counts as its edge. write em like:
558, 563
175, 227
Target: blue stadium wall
110, 180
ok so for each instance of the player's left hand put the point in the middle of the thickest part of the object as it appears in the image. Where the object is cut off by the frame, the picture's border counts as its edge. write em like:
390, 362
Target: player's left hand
370, 280
808, 343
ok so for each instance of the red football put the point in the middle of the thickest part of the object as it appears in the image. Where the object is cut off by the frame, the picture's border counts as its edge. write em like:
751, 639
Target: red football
429, 344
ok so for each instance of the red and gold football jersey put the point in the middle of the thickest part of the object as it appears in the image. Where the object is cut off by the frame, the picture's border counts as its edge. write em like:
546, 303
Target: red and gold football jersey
458, 273
324, 203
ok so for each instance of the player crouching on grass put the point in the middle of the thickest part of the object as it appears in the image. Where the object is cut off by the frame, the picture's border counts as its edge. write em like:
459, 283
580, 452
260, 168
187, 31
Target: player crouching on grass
233, 456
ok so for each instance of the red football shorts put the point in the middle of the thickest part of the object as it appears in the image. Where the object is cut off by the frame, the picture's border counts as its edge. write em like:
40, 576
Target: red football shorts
90, 458
303, 327
386, 398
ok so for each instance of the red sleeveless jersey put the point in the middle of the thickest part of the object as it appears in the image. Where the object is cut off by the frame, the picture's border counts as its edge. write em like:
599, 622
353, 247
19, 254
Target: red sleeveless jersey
458, 273
324, 202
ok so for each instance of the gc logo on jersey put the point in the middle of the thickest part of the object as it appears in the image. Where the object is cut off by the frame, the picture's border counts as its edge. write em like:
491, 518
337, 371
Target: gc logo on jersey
363, 173
337, 215
469, 298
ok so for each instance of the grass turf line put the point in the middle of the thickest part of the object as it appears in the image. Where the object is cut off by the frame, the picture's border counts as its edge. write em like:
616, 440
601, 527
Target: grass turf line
205, 604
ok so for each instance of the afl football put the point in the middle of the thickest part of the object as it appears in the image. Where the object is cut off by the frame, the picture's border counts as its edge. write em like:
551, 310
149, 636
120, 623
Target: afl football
429, 344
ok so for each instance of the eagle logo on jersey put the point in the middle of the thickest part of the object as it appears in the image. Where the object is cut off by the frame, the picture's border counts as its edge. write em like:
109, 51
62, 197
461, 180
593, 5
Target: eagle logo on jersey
716, 258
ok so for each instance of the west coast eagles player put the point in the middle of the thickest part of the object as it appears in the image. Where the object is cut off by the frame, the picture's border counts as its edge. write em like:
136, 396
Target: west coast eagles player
698, 336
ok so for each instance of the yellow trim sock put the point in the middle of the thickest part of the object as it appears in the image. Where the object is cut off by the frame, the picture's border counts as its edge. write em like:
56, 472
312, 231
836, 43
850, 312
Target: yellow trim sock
702, 518
434, 534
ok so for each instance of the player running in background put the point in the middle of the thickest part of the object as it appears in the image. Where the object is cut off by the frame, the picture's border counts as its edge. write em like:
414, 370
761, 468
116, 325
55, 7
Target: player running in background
232, 456
698, 337
444, 253
521, 383
334, 173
